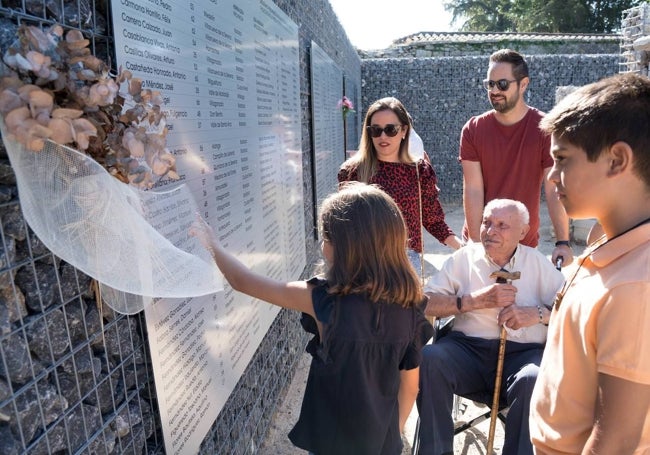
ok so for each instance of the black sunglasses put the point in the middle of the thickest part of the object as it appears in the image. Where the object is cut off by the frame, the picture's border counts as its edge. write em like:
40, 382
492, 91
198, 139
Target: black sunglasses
501, 84
390, 130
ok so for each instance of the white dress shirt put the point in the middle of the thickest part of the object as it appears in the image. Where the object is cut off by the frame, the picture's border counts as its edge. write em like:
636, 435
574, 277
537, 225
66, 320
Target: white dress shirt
469, 269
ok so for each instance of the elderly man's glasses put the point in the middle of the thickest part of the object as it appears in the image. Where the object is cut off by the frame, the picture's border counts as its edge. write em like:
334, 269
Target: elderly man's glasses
390, 130
501, 84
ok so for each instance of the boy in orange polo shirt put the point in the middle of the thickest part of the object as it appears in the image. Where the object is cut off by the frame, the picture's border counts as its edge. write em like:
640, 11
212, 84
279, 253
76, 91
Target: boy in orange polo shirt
592, 394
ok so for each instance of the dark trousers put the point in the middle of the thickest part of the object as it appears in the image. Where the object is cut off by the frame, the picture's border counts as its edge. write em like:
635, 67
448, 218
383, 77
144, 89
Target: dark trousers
466, 366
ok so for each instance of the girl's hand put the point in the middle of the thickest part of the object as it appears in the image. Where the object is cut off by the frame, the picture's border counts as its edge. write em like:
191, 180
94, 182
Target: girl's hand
294, 295
203, 232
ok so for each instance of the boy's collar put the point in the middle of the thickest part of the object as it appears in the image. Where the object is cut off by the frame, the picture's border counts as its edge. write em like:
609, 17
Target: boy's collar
604, 252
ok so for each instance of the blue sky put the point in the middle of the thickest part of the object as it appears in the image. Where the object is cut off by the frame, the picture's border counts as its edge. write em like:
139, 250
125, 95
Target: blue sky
374, 24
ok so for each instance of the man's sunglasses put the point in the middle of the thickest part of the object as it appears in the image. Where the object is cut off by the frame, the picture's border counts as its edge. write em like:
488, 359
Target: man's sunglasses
390, 130
501, 84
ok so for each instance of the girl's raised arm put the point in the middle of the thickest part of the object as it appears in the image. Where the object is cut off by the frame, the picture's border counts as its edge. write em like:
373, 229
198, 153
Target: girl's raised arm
295, 295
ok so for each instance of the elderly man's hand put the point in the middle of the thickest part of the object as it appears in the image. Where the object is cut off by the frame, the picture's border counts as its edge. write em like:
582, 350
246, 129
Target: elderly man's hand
515, 316
494, 296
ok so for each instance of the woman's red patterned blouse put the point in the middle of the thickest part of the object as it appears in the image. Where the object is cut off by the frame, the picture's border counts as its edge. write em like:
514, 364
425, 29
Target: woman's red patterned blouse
399, 180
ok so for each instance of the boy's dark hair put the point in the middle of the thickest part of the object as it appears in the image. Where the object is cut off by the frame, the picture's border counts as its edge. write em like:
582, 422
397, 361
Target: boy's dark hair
519, 65
600, 114
368, 240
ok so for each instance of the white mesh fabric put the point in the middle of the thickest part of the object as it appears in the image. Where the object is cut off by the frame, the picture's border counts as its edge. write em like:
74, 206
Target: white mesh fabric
105, 228
123, 302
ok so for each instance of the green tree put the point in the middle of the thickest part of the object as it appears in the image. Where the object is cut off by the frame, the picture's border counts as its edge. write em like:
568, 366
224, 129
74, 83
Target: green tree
480, 15
551, 16
578, 16
606, 14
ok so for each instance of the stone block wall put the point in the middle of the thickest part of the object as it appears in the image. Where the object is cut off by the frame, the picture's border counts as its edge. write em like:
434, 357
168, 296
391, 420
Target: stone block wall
443, 93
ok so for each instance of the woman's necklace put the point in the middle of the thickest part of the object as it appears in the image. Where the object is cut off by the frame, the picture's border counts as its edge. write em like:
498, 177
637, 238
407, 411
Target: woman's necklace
560, 295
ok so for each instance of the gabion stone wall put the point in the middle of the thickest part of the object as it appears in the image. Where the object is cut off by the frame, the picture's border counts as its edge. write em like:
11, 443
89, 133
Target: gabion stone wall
318, 22
76, 378
443, 93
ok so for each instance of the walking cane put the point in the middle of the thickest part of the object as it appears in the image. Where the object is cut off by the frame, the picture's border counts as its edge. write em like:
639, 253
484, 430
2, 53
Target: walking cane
502, 276
497, 391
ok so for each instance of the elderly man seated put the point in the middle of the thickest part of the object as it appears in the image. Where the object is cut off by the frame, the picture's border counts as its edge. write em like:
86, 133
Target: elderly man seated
464, 361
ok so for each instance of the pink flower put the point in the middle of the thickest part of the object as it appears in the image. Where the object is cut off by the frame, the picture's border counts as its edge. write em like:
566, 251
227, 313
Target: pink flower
346, 106
345, 103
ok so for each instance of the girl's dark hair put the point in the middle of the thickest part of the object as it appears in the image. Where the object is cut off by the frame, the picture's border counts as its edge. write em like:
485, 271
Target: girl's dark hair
368, 237
366, 157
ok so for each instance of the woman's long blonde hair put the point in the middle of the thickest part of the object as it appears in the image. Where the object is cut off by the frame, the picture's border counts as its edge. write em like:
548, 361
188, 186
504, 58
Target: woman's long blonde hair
366, 158
368, 237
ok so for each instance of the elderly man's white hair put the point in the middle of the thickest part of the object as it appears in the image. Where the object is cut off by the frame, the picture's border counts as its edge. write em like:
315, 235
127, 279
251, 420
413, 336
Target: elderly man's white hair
522, 211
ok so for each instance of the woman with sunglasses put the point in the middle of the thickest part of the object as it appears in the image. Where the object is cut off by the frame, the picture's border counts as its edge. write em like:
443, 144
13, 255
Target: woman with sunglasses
384, 159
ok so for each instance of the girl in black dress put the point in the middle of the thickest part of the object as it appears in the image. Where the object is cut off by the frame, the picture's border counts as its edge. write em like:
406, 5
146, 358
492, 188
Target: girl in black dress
366, 316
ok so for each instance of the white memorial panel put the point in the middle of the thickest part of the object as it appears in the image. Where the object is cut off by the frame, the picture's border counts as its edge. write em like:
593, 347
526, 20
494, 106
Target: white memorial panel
229, 74
328, 134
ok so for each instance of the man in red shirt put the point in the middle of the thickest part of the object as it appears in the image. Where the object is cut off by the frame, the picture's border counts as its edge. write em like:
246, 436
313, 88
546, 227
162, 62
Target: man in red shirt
504, 154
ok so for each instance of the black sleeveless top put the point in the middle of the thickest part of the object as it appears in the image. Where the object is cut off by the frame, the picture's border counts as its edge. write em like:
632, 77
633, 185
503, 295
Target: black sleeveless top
350, 404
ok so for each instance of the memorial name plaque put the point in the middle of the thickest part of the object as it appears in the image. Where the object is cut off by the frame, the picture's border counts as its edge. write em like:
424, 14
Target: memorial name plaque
229, 75
328, 134
352, 132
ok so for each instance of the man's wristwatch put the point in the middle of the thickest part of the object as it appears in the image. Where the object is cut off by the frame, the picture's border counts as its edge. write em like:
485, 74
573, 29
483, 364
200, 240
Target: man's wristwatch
563, 242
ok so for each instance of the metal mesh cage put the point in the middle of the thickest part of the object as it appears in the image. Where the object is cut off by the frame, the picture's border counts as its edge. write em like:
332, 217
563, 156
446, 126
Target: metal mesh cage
75, 377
